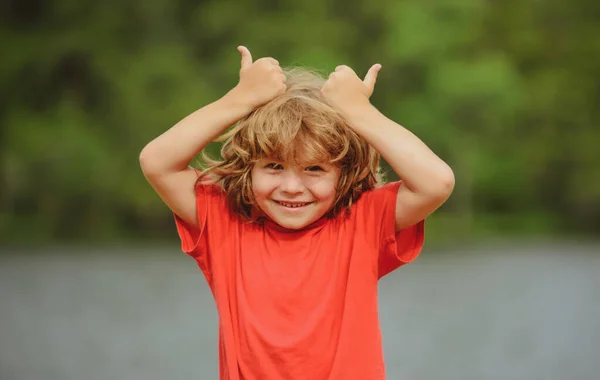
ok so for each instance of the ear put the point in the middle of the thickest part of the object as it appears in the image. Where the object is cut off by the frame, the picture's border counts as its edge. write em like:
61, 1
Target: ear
371, 77
246, 57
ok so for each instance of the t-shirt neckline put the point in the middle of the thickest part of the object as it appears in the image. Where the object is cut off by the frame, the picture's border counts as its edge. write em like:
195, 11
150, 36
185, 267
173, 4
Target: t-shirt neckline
273, 226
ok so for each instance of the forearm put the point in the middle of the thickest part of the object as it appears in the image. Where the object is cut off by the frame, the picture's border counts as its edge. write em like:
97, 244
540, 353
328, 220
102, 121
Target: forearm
421, 170
173, 150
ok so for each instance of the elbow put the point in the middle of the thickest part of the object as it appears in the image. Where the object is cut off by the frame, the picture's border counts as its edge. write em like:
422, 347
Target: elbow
148, 163
445, 182
144, 159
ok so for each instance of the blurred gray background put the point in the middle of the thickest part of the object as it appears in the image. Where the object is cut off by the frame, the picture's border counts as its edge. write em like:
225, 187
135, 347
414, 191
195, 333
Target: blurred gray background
527, 311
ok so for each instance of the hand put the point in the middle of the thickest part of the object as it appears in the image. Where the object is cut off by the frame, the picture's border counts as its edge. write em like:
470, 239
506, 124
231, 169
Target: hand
346, 92
260, 81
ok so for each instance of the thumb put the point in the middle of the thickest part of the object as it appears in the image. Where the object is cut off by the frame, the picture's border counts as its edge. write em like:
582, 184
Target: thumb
371, 77
246, 56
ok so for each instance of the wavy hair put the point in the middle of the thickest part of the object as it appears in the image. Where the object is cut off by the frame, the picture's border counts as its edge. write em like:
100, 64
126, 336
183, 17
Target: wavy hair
300, 127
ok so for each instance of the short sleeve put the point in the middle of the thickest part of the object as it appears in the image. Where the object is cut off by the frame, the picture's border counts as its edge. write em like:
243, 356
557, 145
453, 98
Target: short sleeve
395, 248
213, 218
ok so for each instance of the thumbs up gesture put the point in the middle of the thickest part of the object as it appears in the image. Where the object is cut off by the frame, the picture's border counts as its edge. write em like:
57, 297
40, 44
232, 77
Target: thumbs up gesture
346, 92
260, 81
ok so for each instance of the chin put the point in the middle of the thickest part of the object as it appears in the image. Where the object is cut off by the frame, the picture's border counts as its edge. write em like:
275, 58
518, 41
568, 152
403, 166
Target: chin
294, 219
292, 225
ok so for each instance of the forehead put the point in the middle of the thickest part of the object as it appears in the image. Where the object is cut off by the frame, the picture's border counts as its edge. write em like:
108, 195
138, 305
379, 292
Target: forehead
299, 154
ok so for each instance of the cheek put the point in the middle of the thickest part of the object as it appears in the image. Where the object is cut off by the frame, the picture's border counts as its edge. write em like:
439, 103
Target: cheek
261, 186
324, 190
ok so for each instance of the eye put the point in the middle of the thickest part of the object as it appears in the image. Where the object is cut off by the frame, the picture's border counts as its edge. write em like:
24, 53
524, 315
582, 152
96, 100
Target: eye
274, 166
315, 168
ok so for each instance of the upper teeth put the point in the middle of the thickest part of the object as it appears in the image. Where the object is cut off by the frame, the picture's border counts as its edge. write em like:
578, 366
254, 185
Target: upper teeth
293, 204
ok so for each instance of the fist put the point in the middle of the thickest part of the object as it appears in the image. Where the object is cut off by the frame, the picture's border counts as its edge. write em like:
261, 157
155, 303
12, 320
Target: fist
260, 81
345, 91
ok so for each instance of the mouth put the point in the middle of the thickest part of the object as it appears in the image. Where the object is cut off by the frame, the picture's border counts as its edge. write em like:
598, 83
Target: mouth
293, 204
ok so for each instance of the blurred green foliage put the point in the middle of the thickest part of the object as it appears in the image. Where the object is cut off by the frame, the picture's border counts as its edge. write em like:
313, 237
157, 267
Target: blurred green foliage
507, 92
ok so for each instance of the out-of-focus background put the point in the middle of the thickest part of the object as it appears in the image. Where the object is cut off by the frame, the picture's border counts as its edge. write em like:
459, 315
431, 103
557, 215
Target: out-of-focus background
92, 282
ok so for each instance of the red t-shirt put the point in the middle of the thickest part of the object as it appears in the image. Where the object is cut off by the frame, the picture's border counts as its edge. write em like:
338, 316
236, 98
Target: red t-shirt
301, 304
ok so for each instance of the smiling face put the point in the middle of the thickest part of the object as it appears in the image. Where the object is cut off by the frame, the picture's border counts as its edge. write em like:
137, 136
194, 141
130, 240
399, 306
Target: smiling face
294, 195
297, 126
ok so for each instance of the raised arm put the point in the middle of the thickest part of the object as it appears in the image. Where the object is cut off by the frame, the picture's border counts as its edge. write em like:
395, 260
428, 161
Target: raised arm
165, 160
427, 180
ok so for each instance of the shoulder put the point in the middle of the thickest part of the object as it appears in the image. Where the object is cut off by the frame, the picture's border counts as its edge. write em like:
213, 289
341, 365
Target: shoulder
206, 183
381, 194
369, 200
212, 206
210, 191
374, 212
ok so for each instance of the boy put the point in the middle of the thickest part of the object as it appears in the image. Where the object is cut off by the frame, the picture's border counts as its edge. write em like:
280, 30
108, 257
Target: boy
290, 227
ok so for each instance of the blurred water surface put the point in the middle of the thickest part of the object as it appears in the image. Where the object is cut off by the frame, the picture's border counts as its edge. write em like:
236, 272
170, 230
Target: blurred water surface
498, 312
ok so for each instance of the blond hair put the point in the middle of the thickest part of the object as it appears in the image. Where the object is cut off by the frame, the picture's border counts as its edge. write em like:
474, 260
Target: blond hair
297, 126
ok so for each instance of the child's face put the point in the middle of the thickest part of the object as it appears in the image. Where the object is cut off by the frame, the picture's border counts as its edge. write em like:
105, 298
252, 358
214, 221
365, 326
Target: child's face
291, 195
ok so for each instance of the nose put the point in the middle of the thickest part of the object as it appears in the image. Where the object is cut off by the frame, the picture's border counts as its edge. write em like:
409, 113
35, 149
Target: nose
291, 183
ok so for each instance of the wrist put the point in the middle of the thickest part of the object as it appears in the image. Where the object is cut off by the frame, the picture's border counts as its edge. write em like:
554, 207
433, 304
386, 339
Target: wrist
359, 116
239, 101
